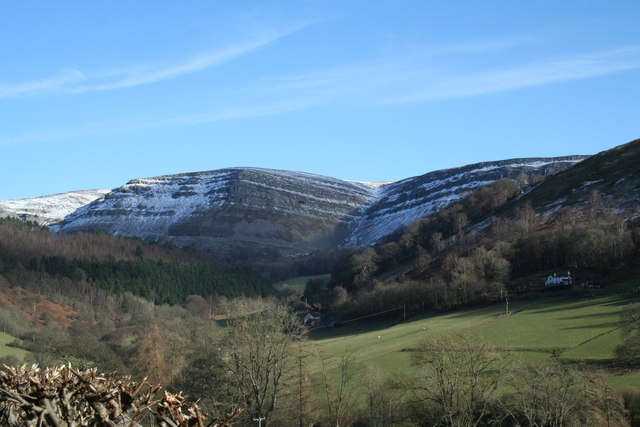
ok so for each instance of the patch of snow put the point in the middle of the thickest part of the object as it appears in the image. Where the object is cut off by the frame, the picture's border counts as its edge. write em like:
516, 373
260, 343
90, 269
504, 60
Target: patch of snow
52, 208
152, 205
588, 183
376, 184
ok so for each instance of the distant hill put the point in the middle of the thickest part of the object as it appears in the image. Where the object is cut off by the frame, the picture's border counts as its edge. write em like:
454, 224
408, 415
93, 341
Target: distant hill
250, 213
400, 203
47, 210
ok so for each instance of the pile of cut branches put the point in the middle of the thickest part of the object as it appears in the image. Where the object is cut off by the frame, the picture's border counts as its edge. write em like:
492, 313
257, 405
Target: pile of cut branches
63, 396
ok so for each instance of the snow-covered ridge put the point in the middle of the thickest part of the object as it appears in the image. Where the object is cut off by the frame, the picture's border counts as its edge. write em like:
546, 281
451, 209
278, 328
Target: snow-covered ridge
159, 201
289, 212
400, 203
49, 209
246, 203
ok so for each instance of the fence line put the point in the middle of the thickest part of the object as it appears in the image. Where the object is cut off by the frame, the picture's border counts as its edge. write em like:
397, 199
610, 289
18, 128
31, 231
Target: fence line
374, 314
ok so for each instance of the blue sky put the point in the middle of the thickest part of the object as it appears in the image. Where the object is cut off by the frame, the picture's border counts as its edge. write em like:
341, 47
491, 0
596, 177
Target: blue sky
93, 94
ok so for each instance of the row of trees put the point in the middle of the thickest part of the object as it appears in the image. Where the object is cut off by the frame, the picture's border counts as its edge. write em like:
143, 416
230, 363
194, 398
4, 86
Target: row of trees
462, 381
120, 264
162, 281
25, 240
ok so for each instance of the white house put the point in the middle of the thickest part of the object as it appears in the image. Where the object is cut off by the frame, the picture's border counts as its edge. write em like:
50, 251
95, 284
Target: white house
556, 280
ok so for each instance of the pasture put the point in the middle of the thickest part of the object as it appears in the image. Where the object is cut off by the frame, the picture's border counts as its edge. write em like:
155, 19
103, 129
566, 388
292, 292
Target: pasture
575, 330
6, 350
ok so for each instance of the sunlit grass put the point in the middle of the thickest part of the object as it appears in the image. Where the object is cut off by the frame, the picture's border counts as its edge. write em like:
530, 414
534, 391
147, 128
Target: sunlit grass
298, 283
6, 350
571, 329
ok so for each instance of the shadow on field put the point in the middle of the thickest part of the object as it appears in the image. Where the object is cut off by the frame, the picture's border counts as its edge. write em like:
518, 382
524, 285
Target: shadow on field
622, 301
619, 301
594, 326
585, 316
474, 311
349, 329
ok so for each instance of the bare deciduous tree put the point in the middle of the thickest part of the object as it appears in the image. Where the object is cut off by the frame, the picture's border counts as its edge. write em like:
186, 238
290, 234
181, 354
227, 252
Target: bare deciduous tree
454, 382
340, 397
544, 395
150, 360
258, 351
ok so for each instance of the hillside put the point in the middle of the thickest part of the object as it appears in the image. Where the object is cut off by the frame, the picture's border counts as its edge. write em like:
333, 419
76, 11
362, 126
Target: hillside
250, 213
47, 210
613, 174
503, 238
32, 257
399, 204
234, 209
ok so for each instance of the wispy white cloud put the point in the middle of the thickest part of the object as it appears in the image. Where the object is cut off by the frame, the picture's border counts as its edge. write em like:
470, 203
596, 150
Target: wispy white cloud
195, 64
406, 80
111, 125
76, 81
538, 73
47, 86
398, 80
475, 46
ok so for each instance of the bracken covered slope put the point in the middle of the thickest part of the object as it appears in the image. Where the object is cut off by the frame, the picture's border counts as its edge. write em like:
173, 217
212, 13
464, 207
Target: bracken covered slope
613, 174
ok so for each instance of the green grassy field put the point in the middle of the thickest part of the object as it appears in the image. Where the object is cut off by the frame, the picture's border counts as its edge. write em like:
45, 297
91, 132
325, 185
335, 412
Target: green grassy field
298, 283
576, 329
10, 351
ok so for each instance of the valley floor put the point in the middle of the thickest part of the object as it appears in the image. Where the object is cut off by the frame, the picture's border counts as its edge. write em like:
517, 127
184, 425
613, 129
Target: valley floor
583, 331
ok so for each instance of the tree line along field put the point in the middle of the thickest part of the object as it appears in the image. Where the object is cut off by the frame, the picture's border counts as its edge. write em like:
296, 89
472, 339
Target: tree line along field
582, 332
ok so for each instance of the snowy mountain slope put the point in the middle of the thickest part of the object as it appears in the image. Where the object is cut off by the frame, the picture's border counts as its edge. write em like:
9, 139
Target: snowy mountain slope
399, 204
49, 209
236, 208
251, 211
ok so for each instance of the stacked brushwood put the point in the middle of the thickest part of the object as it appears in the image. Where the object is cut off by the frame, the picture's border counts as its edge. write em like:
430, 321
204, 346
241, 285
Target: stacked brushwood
66, 397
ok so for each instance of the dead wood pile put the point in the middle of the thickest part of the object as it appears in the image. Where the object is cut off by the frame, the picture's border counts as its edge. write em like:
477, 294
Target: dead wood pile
65, 397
